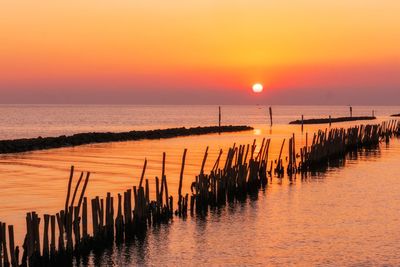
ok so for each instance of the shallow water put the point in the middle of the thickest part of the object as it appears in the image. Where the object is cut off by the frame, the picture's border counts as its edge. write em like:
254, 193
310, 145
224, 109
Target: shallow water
24, 121
346, 216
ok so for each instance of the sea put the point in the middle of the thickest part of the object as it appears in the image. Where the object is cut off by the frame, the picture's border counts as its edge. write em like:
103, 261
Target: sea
347, 215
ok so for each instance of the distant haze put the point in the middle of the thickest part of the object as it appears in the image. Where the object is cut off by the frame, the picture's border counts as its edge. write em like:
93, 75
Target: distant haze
200, 52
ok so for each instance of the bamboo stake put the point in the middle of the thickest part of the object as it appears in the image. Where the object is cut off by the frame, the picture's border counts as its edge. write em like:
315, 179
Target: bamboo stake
217, 161
166, 193
13, 258
45, 236
69, 189
76, 189
143, 172
61, 232
53, 235
204, 160
1, 245
270, 114
83, 190
219, 116
5, 252
180, 182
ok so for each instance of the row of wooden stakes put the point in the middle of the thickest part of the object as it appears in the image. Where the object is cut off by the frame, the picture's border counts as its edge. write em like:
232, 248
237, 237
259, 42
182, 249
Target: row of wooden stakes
65, 234
337, 143
244, 175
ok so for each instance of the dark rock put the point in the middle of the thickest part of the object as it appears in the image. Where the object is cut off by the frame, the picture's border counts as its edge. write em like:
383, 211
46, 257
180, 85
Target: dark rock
24, 145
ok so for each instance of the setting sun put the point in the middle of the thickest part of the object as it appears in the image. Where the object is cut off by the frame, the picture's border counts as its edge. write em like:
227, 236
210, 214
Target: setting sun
257, 88
207, 117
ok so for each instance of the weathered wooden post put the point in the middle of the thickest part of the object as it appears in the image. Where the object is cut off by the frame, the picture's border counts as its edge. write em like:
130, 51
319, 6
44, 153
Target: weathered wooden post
76, 189
1, 245
46, 236
36, 222
302, 123
84, 219
69, 191
270, 115
83, 190
53, 236
219, 116
76, 227
4, 241
60, 222
13, 258
143, 172
119, 221
158, 198
330, 121
351, 111
180, 182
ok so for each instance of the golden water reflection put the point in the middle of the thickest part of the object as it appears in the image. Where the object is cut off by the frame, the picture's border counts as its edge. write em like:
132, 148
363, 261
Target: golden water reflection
37, 181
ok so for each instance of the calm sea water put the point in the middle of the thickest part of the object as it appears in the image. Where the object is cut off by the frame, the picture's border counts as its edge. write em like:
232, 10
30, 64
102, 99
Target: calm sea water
346, 216
23, 121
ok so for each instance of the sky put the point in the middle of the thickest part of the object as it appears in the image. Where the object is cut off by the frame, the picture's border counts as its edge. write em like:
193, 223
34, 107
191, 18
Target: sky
200, 52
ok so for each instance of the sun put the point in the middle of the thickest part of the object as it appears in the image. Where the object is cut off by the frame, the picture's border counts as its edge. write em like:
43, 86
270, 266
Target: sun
257, 88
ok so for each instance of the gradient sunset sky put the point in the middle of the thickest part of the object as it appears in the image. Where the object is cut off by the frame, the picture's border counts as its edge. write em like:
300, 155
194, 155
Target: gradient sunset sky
200, 52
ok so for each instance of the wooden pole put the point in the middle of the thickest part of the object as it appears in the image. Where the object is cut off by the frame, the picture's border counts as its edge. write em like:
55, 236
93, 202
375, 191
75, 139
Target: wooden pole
76, 189
4, 237
143, 172
351, 111
61, 232
219, 116
280, 155
1, 245
302, 123
158, 195
77, 231
53, 235
181, 173
36, 222
270, 114
180, 180
95, 221
162, 179
46, 236
166, 192
13, 257
147, 192
217, 161
204, 161
83, 190
69, 189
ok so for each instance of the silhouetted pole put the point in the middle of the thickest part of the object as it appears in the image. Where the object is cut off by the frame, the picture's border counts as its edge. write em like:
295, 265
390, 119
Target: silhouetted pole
219, 116
330, 121
373, 113
351, 111
302, 123
270, 114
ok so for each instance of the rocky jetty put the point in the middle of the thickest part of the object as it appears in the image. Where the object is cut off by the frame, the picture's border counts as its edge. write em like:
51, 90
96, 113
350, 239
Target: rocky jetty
332, 120
31, 144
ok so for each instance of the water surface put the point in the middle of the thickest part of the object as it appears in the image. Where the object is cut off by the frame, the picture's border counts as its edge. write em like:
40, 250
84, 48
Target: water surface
346, 216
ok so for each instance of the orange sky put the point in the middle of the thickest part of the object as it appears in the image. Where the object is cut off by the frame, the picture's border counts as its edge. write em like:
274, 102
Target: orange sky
210, 51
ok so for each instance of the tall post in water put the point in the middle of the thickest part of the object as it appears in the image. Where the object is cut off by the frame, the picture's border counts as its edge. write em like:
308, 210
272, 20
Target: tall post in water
219, 116
302, 123
330, 120
270, 115
351, 111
